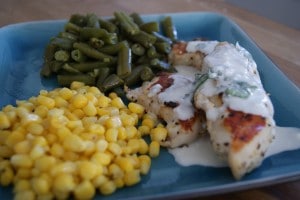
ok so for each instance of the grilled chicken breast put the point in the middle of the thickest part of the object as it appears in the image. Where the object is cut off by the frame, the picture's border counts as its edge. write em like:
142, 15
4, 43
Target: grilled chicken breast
238, 111
169, 96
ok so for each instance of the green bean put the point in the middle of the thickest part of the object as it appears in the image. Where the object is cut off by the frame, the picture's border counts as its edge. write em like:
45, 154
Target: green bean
163, 47
49, 52
62, 55
90, 66
96, 43
135, 76
143, 38
152, 53
137, 18
55, 66
73, 28
102, 74
143, 60
94, 73
162, 38
110, 49
91, 52
68, 35
150, 27
110, 27
127, 23
112, 81
92, 21
111, 38
78, 56
89, 32
147, 74
137, 49
46, 71
66, 80
70, 69
161, 65
124, 61
62, 43
78, 20
119, 91
169, 29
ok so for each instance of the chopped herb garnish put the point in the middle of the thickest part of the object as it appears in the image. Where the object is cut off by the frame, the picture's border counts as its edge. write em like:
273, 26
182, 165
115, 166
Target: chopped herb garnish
200, 79
240, 89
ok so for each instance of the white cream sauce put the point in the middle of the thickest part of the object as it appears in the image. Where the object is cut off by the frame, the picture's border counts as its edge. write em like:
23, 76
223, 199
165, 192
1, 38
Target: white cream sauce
231, 68
181, 91
201, 151
203, 46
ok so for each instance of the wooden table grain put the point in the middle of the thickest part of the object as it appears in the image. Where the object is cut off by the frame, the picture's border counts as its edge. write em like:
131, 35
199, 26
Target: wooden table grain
279, 42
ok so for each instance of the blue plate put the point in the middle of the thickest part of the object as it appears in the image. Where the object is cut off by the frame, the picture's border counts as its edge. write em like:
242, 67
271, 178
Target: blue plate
21, 57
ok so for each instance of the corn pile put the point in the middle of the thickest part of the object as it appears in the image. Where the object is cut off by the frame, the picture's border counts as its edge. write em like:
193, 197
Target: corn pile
74, 142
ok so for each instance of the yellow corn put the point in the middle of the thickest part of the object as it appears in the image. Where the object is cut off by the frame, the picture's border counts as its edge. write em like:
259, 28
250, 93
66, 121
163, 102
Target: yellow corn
154, 149
159, 134
26, 194
103, 101
64, 182
148, 122
88, 170
75, 85
79, 101
68, 142
136, 108
84, 190
90, 109
132, 177
108, 187
115, 171
6, 176
22, 185
21, 160
4, 121
112, 95
117, 102
145, 163
40, 185
114, 148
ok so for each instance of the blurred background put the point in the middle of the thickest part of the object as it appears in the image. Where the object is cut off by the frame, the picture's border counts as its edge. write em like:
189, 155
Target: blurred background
282, 11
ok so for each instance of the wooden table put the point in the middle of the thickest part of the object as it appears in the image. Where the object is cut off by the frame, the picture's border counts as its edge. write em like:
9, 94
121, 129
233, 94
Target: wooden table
280, 43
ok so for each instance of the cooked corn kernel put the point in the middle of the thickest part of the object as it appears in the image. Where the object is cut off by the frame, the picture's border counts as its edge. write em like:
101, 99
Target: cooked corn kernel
148, 122
132, 177
117, 102
136, 108
154, 149
4, 121
88, 170
67, 142
159, 134
85, 190
108, 187
64, 182
79, 101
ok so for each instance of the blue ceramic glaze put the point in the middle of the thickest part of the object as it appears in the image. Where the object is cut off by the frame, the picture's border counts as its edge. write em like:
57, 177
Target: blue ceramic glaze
21, 58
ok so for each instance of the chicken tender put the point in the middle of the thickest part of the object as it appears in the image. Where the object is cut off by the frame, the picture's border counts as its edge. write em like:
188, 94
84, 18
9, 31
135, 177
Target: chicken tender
169, 96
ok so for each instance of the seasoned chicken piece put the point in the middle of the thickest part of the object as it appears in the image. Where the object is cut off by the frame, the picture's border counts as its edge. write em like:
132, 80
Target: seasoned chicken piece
238, 111
169, 96
180, 56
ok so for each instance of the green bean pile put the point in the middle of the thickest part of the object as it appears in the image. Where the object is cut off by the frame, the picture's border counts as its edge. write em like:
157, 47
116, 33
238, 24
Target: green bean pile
109, 53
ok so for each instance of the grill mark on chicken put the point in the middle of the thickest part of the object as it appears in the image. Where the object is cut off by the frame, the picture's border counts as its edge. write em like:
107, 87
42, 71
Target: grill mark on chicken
187, 125
179, 48
171, 104
164, 80
243, 127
